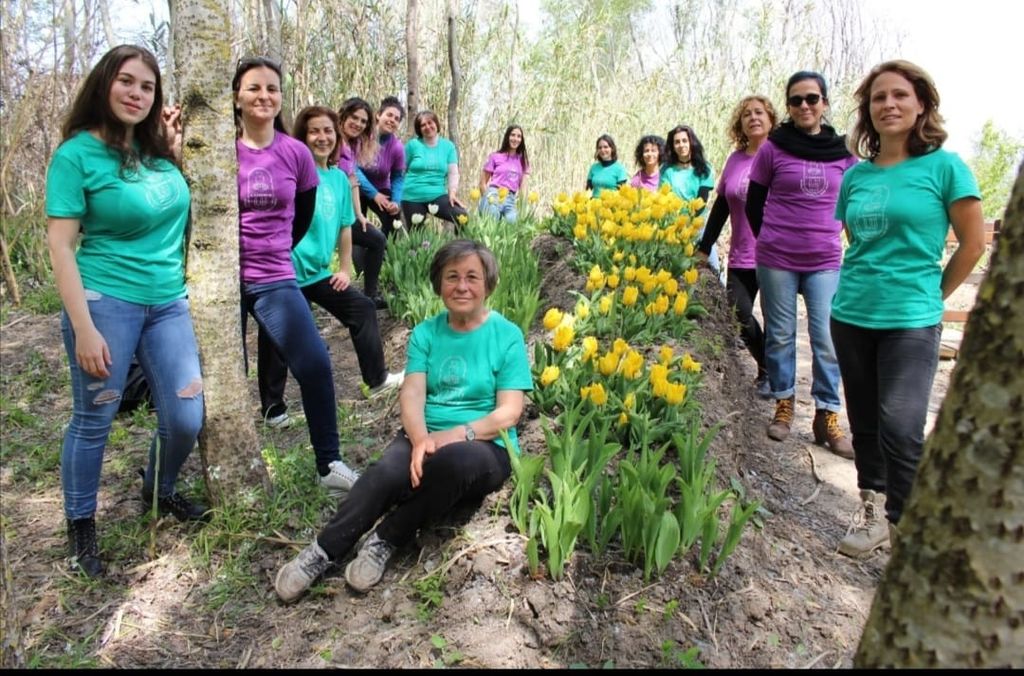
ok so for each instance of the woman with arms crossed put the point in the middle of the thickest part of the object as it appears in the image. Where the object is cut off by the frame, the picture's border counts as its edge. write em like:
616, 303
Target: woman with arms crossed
277, 182
887, 311
467, 377
113, 181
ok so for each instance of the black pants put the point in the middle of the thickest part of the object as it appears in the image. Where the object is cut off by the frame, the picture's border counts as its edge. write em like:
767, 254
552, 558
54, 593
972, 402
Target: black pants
445, 211
368, 247
351, 308
741, 289
463, 470
887, 377
387, 221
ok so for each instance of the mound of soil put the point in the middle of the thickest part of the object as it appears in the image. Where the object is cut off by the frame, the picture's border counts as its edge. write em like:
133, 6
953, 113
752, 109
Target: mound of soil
785, 598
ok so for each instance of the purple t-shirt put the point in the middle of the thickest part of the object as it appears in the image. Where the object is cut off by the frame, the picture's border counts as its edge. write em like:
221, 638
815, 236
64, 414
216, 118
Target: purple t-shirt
390, 160
642, 180
268, 180
733, 184
347, 160
799, 231
506, 171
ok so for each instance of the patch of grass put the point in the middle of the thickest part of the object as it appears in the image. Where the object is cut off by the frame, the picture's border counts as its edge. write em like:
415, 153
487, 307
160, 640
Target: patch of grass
42, 300
673, 656
446, 656
429, 590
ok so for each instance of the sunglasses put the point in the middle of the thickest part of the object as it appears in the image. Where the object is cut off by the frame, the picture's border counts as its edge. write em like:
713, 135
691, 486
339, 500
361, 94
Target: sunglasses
797, 101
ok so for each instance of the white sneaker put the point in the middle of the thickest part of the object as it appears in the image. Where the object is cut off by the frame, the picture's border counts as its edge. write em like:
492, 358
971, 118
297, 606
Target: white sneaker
298, 574
392, 382
367, 568
340, 479
278, 421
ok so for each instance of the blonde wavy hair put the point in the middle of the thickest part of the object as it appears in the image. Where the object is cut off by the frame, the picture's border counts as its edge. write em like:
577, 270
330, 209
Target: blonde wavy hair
740, 139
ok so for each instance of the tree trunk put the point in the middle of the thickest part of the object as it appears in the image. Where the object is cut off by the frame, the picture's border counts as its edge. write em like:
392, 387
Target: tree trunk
953, 592
412, 60
228, 442
453, 62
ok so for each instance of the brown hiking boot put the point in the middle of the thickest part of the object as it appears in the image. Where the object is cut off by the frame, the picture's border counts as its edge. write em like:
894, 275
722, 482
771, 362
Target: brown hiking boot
827, 431
870, 530
783, 418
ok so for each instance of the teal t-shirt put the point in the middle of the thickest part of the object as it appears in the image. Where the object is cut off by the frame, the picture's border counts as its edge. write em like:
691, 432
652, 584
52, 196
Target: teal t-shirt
426, 169
601, 177
133, 227
465, 370
684, 181
333, 212
897, 218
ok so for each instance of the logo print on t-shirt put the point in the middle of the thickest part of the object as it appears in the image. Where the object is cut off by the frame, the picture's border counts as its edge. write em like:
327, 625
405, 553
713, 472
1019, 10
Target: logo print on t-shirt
814, 182
161, 190
452, 380
260, 196
869, 221
744, 185
327, 205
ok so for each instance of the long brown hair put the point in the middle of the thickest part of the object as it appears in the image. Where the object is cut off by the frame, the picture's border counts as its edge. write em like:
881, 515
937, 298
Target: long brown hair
91, 111
301, 128
927, 134
364, 148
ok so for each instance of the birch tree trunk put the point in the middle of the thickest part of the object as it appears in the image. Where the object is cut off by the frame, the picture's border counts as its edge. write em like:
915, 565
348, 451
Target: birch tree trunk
412, 60
228, 443
453, 63
953, 592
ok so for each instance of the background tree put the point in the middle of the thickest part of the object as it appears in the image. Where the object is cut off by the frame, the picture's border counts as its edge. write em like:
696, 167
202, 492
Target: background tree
996, 154
953, 592
228, 442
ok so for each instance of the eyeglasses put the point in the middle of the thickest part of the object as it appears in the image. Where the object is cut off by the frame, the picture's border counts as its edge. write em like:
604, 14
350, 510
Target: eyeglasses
796, 101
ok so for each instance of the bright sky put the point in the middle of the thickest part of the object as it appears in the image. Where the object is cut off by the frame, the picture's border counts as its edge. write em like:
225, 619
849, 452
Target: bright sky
967, 47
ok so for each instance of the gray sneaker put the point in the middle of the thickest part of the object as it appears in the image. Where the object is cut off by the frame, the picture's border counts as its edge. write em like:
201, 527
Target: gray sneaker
391, 382
298, 574
340, 479
366, 569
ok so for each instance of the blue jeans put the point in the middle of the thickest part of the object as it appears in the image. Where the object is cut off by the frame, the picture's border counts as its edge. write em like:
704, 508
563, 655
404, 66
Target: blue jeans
779, 289
501, 208
887, 378
162, 339
286, 322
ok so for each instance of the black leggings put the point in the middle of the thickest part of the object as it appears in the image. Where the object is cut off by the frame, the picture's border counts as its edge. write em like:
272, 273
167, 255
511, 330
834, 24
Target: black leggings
741, 288
387, 221
462, 470
368, 248
446, 211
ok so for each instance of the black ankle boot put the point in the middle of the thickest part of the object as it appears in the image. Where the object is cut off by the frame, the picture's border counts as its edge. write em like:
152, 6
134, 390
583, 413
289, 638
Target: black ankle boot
84, 551
175, 504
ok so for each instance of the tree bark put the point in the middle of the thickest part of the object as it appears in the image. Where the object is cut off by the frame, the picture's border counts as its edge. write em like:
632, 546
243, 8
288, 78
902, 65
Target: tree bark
412, 59
453, 63
953, 592
228, 443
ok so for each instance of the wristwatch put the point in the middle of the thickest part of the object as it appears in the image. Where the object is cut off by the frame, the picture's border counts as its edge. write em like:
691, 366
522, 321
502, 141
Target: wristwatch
470, 434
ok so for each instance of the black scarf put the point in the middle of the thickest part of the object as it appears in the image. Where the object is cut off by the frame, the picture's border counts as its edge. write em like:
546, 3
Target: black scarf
824, 146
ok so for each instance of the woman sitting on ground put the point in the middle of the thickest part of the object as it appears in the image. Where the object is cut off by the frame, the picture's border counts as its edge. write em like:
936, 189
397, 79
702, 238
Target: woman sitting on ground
332, 226
381, 178
649, 154
467, 372
432, 175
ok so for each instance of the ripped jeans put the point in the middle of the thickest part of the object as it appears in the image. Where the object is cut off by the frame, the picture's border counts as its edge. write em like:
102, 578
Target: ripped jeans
162, 338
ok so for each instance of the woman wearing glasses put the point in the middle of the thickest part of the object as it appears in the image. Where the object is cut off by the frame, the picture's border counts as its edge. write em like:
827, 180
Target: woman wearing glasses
791, 201
897, 208
277, 181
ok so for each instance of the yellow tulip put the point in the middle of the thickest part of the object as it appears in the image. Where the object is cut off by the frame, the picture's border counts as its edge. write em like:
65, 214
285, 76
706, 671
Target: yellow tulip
549, 375
579, 231
502, 193
671, 287
663, 276
562, 338
618, 256
665, 355
612, 281
552, 318
623, 419
632, 365
650, 285
585, 392
474, 194
629, 402
689, 364
462, 218
629, 295
608, 364
596, 278
533, 197
689, 249
598, 395
629, 274
675, 394
589, 348
690, 276
661, 304
604, 306
619, 346
696, 204
679, 307
582, 309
